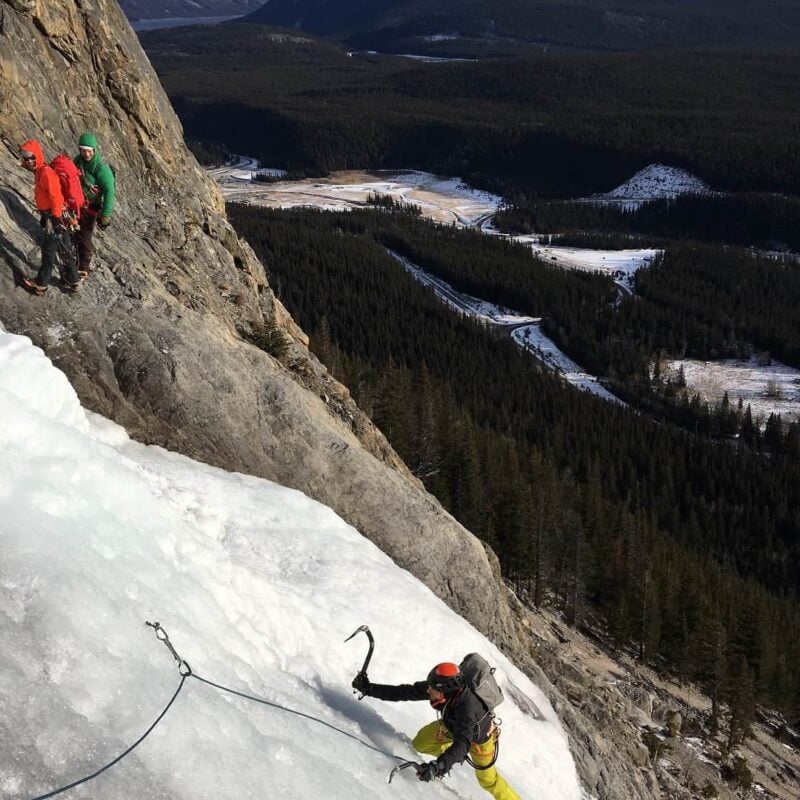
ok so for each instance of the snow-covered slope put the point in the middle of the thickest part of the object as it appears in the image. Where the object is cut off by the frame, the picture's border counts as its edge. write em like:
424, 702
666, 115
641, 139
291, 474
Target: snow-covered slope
655, 182
257, 586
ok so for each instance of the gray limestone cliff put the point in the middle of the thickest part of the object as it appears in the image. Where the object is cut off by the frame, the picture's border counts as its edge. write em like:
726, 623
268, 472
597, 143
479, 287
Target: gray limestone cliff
159, 337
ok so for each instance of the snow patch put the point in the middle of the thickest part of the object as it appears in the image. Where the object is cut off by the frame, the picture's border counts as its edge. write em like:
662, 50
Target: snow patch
533, 339
769, 389
443, 199
655, 182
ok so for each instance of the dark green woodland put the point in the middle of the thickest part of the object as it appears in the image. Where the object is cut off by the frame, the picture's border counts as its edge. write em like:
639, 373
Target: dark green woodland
670, 524
682, 540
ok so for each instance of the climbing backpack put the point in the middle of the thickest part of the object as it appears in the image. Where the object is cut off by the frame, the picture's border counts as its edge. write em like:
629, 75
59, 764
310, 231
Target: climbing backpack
479, 676
70, 177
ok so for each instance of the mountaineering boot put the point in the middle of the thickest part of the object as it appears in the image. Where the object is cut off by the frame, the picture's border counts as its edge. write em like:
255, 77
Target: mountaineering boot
71, 286
33, 287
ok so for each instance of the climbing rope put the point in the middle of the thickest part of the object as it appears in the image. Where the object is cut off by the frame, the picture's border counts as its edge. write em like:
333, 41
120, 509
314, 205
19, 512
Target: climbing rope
185, 672
121, 755
299, 714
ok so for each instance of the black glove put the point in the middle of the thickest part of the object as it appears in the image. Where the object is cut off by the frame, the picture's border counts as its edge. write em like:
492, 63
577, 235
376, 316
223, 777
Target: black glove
103, 221
427, 772
43, 220
361, 683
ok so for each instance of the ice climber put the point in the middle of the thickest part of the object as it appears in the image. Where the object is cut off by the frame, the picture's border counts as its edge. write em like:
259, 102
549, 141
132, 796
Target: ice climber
49, 201
99, 186
464, 726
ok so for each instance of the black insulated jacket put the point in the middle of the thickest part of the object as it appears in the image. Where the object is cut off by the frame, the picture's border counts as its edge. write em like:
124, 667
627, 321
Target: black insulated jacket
464, 716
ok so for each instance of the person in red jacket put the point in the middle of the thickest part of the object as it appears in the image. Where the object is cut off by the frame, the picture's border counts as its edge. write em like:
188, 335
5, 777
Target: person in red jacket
50, 205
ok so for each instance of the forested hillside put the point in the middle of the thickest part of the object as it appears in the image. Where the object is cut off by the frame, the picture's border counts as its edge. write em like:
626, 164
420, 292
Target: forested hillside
554, 125
679, 525
462, 25
688, 546
159, 9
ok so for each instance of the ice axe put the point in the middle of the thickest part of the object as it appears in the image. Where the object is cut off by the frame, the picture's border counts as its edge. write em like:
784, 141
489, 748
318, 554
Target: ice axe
365, 629
404, 765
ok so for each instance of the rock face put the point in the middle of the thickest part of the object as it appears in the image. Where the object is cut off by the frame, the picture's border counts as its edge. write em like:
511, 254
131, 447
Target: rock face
158, 338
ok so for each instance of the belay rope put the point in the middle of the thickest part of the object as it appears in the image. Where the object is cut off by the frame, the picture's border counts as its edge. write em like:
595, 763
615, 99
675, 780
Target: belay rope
185, 672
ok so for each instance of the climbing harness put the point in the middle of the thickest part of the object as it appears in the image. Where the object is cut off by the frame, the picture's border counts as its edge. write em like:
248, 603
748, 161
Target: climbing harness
494, 734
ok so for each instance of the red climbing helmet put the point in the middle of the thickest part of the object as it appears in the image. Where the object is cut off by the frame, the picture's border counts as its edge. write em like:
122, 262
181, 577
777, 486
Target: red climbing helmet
446, 678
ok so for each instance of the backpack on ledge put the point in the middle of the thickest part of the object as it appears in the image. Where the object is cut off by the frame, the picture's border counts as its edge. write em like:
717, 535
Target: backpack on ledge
70, 177
479, 676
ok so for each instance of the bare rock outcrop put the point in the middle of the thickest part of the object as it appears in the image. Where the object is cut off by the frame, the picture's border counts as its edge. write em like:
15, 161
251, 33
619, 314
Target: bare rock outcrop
158, 338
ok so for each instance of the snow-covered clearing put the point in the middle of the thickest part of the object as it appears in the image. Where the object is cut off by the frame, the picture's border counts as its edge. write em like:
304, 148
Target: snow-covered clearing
655, 182
257, 587
525, 331
444, 200
621, 265
768, 389
441, 199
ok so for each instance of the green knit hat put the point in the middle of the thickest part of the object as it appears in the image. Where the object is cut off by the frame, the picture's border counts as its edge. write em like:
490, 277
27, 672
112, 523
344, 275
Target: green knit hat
88, 140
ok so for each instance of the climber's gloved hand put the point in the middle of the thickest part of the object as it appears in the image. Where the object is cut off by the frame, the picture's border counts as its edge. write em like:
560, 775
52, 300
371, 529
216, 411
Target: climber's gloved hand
427, 772
103, 221
361, 683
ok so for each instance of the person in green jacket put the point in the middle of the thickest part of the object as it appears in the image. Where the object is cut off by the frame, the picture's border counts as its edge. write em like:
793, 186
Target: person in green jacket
97, 179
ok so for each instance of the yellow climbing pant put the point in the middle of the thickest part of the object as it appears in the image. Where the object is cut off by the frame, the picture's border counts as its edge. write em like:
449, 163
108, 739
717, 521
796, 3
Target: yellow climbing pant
434, 739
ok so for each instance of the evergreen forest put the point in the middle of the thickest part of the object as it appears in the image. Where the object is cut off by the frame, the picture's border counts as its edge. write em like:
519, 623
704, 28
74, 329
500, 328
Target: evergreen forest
478, 27
688, 544
672, 524
545, 124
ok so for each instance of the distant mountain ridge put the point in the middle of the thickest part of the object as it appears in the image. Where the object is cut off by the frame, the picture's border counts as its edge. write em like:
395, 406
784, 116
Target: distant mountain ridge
394, 25
163, 9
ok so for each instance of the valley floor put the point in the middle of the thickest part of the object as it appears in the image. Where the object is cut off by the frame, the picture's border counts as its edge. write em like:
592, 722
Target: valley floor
450, 201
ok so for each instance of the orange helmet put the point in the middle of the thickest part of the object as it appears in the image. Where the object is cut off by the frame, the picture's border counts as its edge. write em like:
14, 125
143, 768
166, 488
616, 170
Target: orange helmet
446, 678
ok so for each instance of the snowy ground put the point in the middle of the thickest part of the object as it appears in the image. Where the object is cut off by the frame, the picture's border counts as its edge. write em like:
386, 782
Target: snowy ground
772, 389
257, 586
525, 331
531, 338
445, 200
621, 265
655, 182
